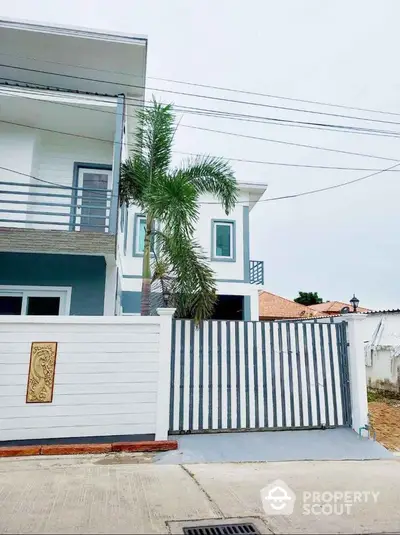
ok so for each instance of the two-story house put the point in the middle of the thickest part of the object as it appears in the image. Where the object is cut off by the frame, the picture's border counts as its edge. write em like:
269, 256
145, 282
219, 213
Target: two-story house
225, 240
68, 98
65, 94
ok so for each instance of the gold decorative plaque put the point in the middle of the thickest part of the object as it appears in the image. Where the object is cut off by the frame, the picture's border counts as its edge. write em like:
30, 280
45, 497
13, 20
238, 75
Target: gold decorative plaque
42, 367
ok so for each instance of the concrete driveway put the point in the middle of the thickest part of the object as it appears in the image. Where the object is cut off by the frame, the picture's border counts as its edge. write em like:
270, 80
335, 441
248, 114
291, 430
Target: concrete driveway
115, 494
331, 444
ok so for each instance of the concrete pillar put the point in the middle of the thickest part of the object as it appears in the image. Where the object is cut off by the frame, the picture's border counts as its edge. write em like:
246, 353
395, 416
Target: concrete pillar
357, 373
247, 308
164, 373
110, 287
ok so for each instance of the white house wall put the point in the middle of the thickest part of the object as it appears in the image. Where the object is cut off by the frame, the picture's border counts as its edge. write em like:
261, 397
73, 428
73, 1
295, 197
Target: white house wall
47, 156
16, 153
59, 153
383, 364
224, 270
105, 381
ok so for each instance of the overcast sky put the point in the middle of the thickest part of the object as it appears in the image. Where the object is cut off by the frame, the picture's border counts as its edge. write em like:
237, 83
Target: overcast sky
339, 242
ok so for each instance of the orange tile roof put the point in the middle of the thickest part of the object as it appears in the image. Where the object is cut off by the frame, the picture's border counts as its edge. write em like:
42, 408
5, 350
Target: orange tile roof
275, 307
334, 307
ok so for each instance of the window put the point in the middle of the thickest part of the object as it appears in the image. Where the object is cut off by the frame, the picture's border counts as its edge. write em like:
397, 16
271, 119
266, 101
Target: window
10, 305
34, 301
43, 306
140, 232
223, 239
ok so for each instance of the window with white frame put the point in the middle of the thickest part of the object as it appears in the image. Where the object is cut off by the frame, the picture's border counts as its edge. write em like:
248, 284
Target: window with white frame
34, 301
223, 239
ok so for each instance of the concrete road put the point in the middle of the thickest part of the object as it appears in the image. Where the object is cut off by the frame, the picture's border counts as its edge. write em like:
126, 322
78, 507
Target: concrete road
130, 494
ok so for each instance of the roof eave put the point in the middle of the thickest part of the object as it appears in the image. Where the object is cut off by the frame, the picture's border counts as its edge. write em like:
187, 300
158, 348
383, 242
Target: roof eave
74, 31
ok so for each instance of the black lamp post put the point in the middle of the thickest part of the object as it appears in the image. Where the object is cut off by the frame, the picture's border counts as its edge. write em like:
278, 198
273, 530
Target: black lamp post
355, 302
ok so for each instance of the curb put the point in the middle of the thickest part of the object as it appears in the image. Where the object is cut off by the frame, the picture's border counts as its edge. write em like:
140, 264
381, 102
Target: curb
84, 449
17, 451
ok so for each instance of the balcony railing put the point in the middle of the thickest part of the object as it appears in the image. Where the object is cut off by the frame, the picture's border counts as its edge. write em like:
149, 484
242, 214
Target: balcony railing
46, 206
256, 272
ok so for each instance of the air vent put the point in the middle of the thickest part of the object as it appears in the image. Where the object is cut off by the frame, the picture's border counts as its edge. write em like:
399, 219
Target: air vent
222, 529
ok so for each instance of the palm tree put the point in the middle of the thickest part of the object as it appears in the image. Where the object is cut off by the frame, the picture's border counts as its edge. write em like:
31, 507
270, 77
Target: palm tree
170, 198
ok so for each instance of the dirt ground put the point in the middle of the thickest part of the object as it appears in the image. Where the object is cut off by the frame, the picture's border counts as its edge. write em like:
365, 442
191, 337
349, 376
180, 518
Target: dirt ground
385, 419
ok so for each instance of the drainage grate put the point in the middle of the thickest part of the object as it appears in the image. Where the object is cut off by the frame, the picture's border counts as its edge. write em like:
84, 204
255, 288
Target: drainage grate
222, 529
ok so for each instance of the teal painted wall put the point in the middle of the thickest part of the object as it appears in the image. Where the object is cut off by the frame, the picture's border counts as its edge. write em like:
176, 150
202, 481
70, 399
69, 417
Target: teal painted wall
85, 274
131, 302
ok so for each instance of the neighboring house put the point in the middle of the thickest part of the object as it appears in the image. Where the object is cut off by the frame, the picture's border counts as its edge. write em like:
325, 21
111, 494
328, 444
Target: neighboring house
60, 153
382, 349
225, 240
68, 98
275, 307
333, 308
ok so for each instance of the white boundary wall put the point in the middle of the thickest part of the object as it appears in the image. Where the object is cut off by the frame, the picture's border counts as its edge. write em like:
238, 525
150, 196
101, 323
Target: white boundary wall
112, 376
109, 379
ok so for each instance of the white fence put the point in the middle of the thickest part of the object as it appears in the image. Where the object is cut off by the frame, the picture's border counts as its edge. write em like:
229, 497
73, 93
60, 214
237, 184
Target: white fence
113, 376
106, 380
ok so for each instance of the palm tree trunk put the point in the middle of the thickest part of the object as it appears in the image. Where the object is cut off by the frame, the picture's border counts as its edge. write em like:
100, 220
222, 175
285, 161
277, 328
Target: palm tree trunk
146, 272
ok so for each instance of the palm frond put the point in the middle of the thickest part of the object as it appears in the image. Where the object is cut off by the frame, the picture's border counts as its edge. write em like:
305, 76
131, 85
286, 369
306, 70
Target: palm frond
155, 131
173, 202
191, 281
212, 175
152, 156
133, 181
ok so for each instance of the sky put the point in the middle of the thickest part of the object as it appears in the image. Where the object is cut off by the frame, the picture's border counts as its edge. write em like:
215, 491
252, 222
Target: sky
338, 242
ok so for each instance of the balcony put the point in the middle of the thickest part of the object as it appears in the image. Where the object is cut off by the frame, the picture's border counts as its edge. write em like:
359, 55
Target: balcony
256, 272
37, 217
59, 172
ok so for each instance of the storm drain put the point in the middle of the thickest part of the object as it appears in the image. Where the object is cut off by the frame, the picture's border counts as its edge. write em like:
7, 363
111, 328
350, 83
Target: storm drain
222, 529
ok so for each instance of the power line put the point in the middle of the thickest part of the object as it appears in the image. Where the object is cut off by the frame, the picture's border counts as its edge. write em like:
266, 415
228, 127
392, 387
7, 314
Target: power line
219, 99
270, 199
319, 190
232, 159
241, 117
280, 97
217, 131
59, 186
60, 132
284, 164
336, 186
207, 130
302, 145
316, 147
207, 86
295, 165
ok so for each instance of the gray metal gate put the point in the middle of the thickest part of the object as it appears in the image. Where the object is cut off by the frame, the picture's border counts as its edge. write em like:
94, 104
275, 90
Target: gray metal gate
258, 375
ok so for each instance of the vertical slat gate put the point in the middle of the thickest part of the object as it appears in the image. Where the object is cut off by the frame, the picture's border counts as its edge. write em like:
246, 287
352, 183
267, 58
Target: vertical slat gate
258, 375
